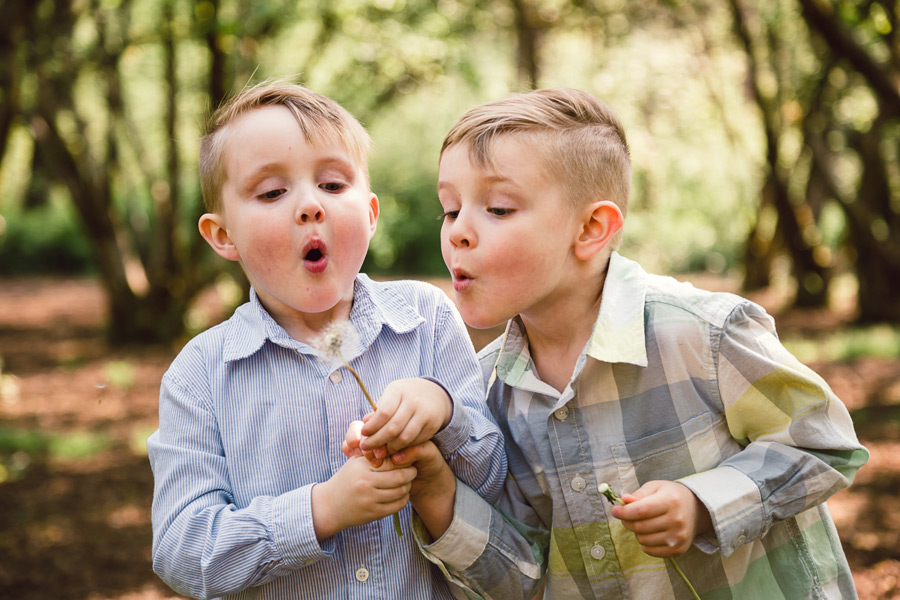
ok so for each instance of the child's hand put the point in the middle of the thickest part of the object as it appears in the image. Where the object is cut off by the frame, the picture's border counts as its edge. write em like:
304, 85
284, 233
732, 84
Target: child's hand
350, 446
433, 491
432, 473
359, 493
410, 411
665, 517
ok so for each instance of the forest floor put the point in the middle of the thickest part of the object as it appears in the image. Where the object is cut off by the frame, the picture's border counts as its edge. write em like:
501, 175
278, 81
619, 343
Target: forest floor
75, 482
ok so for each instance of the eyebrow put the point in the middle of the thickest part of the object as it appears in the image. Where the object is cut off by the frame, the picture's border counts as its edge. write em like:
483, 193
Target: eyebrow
491, 179
340, 163
259, 174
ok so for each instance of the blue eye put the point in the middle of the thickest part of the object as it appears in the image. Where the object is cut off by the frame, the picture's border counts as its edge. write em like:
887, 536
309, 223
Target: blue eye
332, 186
450, 214
501, 212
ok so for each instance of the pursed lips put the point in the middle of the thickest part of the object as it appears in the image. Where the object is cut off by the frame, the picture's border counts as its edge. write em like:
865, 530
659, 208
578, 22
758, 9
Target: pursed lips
315, 257
461, 279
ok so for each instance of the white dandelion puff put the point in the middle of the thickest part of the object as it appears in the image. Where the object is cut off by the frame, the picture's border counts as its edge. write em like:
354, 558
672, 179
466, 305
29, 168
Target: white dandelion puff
333, 342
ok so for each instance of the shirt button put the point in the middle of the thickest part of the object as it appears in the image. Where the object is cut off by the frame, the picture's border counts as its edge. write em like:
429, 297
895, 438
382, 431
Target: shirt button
335, 377
561, 413
578, 483
362, 574
741, 540
598, 552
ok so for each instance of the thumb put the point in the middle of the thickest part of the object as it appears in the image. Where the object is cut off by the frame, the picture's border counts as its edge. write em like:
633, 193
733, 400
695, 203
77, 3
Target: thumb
645, 490
354, 434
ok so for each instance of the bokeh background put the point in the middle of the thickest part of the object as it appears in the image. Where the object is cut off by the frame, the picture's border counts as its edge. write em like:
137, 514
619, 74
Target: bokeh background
765, 137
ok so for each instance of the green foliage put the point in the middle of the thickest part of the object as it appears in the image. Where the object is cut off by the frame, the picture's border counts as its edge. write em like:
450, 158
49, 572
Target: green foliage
47, 240
847, 344
126, 87
19, 448
119, 374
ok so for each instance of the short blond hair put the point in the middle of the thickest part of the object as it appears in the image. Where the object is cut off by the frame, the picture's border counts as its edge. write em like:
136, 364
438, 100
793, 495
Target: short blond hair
579, 137
321, 119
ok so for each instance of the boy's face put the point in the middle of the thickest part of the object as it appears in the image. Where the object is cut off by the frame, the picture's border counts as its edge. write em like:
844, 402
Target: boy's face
507, 235
298, 217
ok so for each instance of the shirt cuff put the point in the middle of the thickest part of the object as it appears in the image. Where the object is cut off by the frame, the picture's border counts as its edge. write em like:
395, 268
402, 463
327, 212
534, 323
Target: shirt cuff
466, 538
292, 528
734, 504
456, 433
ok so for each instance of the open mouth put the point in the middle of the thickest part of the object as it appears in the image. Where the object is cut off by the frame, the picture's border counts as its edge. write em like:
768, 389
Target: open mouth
313, 255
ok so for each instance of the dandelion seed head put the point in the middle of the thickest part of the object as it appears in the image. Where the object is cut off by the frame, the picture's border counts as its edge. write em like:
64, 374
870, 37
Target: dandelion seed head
336, 340
603, 488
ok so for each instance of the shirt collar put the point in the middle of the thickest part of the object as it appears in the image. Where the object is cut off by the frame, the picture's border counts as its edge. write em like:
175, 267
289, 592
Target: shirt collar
374, 306
618, 333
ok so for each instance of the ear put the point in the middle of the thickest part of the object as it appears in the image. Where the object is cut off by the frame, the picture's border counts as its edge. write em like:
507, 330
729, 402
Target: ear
374, 211
601, 221
212, 228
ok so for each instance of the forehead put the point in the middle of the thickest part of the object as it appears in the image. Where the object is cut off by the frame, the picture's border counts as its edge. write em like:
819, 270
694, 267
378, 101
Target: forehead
271, 130
512, 158
277, 120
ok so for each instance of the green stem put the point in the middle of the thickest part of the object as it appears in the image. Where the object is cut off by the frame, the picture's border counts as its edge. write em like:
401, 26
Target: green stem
614, 497
683, 578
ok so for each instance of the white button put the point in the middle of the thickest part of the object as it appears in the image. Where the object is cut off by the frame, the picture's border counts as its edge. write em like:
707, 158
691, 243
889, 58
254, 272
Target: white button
741, 540
598, 552
362, 574
578, 483
335, 377
561, 413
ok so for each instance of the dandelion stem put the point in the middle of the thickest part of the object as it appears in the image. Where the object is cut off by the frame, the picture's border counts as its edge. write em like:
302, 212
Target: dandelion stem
358, 380
362, 386
615, 499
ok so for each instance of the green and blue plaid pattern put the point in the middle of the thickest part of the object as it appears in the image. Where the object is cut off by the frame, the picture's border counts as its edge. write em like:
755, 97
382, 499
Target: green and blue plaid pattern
677, 384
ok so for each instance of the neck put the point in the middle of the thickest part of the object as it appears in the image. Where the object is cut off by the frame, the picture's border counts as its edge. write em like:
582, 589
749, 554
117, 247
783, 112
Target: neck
557, 335
306, 327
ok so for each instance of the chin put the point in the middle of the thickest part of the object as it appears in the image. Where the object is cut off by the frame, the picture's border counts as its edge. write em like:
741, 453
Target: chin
482, 321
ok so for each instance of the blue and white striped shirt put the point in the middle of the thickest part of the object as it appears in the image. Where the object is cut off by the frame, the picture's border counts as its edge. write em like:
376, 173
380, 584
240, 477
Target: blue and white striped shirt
250, 420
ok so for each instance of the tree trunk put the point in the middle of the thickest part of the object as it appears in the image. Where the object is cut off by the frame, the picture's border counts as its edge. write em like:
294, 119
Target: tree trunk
527, 40
811, 278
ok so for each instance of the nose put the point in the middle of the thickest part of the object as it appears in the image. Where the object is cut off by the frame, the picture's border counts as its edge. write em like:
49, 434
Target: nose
460, 232
309, 209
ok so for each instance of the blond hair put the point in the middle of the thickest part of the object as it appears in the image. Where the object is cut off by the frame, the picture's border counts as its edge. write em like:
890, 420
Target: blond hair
578, 136
321, 119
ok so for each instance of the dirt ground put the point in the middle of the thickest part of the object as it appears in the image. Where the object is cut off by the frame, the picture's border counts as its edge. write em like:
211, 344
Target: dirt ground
75, 483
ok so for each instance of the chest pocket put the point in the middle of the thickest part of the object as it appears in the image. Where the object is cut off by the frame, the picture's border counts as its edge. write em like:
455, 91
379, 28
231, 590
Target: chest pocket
670, 454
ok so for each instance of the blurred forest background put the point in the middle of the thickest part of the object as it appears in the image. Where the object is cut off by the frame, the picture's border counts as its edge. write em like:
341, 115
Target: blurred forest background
765, 137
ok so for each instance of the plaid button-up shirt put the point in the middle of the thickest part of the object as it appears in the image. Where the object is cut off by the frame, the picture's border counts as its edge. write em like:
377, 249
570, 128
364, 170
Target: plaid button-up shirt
677, 384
